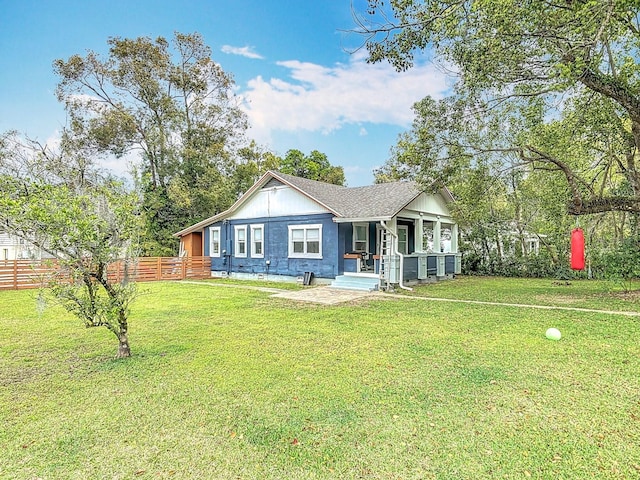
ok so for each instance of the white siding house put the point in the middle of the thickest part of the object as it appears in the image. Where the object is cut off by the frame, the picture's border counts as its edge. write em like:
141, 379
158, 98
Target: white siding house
14, 248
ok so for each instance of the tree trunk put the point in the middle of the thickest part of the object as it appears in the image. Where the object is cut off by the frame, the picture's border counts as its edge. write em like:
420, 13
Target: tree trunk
124, 351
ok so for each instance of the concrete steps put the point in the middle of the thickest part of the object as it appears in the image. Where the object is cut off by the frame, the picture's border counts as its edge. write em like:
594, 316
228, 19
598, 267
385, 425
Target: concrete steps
356, 282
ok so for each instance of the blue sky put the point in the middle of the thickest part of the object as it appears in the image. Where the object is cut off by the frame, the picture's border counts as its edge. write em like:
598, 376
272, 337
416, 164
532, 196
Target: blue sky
301, 88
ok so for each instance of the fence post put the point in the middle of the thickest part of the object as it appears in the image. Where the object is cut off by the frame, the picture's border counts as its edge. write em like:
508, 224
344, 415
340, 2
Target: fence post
15, 274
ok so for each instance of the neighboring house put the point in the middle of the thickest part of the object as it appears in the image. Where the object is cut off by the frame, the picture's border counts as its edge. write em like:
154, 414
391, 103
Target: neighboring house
392, 233
512, 241
15, 248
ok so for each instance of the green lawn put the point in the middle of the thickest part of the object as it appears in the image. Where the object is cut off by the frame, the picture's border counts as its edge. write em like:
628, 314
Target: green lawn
230, 383
601, 295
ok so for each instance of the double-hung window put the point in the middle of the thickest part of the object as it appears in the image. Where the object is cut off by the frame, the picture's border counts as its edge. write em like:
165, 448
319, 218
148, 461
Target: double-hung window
257, 241
241, 240
214, 241
403, 239
361, 237
305, 241
427, 237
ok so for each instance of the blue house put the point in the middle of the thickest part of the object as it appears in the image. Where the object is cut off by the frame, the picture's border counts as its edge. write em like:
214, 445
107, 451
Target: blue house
285, 226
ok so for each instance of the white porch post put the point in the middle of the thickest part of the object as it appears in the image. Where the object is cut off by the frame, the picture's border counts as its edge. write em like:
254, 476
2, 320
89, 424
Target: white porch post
454, 238
419, 235
436, 235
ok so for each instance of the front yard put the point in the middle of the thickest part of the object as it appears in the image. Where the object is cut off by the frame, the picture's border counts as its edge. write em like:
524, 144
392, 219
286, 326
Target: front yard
231, 383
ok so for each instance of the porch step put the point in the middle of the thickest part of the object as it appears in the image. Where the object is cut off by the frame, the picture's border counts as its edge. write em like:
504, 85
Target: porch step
351, 282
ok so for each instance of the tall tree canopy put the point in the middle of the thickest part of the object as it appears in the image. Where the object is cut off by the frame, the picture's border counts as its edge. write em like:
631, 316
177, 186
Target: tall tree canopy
553, 85
171, 103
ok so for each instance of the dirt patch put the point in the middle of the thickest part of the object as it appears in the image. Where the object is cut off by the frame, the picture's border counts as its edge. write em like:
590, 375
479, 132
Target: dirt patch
632, 296
555, 299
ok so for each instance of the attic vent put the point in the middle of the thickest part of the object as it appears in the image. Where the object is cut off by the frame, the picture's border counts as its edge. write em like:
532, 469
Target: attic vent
273, 183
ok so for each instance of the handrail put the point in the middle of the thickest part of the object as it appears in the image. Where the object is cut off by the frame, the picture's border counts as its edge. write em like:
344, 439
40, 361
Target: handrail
397, 252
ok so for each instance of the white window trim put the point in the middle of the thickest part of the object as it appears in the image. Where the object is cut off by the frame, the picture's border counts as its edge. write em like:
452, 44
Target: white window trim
304, 254
406, 229
236, 243
258, 226
353, 243
211, 252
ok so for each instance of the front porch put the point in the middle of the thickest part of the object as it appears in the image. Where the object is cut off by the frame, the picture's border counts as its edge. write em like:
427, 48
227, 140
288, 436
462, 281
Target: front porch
408, 249
417, 266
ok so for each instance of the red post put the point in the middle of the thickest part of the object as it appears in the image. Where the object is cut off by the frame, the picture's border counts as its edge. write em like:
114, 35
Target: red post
577, 249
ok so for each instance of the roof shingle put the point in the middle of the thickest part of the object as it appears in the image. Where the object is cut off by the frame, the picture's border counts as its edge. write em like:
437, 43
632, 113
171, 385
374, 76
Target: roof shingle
373, 201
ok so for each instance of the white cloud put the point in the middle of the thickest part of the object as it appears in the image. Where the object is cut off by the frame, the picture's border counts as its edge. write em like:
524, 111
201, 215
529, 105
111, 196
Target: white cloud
53, 141
322, 99
242, 51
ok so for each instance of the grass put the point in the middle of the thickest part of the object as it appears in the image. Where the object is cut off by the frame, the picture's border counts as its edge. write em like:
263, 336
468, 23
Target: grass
230, 383
599, 295
256, 283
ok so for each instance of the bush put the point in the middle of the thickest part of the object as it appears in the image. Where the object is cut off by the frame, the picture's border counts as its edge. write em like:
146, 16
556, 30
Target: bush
533, 266
621, 264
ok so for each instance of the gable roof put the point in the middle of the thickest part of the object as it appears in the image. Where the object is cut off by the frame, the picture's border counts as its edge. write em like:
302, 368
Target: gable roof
380, 201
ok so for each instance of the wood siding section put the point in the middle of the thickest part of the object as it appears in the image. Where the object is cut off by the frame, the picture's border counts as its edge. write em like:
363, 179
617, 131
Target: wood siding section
192, 244
22, 274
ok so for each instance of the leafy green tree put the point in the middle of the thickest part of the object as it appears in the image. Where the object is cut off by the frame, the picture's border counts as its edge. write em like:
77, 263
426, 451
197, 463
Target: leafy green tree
174, 106
314, 166
59, 202
520, 66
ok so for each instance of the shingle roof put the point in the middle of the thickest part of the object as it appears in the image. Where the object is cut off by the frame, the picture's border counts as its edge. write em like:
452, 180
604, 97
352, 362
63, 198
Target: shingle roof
373, 201
383, 200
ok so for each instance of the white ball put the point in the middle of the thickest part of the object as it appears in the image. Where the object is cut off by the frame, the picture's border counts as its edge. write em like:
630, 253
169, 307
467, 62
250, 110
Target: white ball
553, 334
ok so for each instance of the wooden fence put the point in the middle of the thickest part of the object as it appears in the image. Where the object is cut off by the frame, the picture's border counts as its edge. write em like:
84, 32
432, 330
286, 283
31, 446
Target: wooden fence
19, 274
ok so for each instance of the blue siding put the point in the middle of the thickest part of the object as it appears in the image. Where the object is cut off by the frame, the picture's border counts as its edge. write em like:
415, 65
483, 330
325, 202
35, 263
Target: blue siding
344, 239
373, 231
432, 265
276, 247
350, 265
449, 264
347, 245
410, 268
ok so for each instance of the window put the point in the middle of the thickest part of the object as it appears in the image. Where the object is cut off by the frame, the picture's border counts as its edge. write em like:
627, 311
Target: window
403, 239
445, 239
305, 241
214, 241
241, 240
427, 237
361, 237
257, 241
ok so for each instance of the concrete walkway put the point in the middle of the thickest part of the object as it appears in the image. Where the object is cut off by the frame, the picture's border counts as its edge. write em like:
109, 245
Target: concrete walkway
325, 295
322, 294
331, 296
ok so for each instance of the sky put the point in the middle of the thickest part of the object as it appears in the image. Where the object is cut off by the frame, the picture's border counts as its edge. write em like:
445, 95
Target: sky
303, 83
